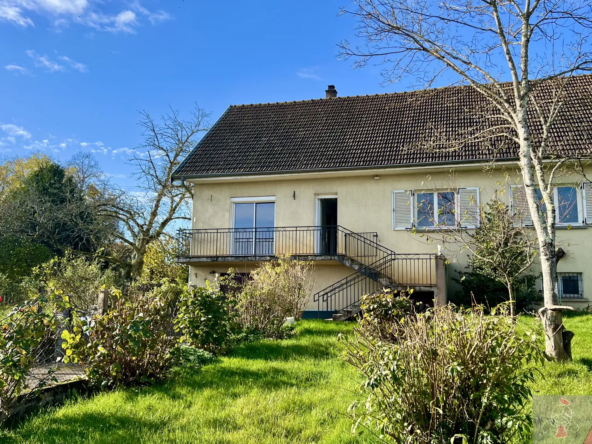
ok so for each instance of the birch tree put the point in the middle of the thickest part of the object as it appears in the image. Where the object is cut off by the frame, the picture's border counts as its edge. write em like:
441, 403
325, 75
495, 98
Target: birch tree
531, 43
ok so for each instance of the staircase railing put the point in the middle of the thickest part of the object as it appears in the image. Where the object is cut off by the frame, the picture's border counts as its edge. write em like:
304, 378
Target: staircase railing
397, 270
349, 290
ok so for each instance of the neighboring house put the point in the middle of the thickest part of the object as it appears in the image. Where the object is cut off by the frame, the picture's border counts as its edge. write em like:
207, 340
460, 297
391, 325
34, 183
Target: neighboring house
353, 182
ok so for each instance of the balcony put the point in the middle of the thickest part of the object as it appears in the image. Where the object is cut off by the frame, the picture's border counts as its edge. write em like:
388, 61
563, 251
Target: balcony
256, 244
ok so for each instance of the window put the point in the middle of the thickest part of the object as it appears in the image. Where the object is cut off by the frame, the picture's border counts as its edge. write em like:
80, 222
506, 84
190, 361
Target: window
570, 285
568, 204
253, 226
435, 209
568, 201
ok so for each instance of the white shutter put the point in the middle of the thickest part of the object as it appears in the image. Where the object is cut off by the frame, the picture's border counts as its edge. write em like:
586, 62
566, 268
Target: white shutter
402, 210
587, 199
467, 213
519, 206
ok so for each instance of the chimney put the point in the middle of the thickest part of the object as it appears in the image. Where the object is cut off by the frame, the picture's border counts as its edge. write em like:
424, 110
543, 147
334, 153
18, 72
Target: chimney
331, 92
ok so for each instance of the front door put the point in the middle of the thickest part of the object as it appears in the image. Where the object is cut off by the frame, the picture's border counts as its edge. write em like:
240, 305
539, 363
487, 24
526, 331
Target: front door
253, 232
328, 225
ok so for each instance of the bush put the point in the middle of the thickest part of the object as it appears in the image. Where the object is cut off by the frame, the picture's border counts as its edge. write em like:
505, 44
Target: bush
206, 319
78, 277
17, 292
131, 344
382, 311
277, 290
191, 358
160, 262
448, 374
25, 333
478, 289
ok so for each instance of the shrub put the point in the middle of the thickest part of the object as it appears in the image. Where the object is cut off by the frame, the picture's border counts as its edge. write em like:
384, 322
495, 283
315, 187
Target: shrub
277, 290
25, 333
448, 374
191, 358
78, 277
16, 292
131, 344
206, 319
479, 289
382, 311
160, 262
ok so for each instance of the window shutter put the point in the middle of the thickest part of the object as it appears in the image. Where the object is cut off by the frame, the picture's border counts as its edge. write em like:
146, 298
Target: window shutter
519, 206
587, 198
402, 210
468, 207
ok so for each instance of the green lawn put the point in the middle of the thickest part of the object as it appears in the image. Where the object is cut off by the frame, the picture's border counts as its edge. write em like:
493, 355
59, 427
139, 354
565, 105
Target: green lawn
292, 391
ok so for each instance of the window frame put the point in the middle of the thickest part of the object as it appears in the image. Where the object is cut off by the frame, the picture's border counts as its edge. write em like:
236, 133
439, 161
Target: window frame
579, 205
435, 193
560, 292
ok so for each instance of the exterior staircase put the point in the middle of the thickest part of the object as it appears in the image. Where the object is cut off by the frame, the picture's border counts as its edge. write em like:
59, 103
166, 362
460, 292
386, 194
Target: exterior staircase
373, 266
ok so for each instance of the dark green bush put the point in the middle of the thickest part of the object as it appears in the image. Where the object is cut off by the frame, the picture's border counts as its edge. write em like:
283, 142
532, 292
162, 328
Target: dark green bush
447, 374
206, 319
478, 289
382, 311
191, 357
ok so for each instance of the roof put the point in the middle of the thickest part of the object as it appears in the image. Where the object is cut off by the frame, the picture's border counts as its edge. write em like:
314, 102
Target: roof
384, 130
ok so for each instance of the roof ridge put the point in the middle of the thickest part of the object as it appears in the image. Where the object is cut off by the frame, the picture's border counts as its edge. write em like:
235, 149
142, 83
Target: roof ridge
415, 91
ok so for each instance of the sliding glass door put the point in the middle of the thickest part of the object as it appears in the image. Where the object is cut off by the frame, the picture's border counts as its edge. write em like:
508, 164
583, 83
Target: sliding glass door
254, 229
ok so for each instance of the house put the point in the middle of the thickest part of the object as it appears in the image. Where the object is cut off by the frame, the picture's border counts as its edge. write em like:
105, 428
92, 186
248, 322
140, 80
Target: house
356, 183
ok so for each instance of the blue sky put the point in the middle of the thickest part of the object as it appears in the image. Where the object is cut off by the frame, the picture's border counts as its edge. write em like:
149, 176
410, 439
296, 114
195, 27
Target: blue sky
75, 73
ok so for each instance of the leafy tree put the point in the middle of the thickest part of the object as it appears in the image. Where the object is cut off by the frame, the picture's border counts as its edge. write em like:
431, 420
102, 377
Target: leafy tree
50, 209
501, 249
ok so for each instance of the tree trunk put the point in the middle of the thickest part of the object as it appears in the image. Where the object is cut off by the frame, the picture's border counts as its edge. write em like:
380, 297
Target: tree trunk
557, 338
138, 261
546, 238
512, 302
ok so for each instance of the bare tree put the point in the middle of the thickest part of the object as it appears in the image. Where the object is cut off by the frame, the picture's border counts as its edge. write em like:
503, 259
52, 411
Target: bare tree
85, 169
149, 213
535, 43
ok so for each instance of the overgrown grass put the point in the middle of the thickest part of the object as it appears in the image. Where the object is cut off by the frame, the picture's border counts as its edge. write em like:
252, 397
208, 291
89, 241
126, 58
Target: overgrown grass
292, 391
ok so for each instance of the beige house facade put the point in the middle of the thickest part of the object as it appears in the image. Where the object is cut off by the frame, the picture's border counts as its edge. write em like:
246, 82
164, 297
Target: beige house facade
267, 181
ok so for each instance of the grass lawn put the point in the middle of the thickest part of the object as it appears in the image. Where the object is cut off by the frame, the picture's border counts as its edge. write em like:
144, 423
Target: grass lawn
293, 391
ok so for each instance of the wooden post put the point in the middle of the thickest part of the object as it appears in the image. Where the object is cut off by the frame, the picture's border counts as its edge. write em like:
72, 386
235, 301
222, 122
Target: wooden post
103, 302
440, 299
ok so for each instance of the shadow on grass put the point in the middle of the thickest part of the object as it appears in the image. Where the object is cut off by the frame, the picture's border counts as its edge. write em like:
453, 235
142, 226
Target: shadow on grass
285, 350
587, 362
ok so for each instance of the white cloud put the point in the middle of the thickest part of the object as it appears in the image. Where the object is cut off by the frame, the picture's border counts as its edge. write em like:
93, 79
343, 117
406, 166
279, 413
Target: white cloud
75, 65
127, 151
44, 62
17, 69
85, 12
309, 73
13, 14
154, 17
15, 131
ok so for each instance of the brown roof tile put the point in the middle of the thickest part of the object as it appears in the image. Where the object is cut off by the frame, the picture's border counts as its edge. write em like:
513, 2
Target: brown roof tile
378, 131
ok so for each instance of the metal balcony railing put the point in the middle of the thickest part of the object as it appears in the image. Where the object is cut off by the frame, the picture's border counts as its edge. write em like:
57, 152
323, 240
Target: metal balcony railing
276, 241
